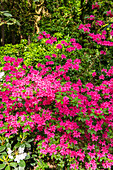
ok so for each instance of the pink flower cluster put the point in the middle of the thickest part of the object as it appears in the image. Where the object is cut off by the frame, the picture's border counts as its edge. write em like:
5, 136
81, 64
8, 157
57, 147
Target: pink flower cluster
109, 13
98, 39
59, 46
91, 17
102, 52
50, 40
85, 27
96, 5
99, 23
111, 33
72, 45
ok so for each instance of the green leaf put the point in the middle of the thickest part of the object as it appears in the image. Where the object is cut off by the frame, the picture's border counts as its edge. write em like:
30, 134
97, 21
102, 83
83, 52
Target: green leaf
3, 89
18, 23
14, 78
58, 100
23, 90
4, 153
28, 156
7, 167
91, 131
7, 15
68, 131
13, 164
20, 168
13, 98
2, 166
30, 140
22, 163
61, 102
79, 118
95, 116
101, 116
61, 69
34, 155
2, 148
17, 145
23, 145
32, 164
8, 145
27, 145
57, 110
9, 23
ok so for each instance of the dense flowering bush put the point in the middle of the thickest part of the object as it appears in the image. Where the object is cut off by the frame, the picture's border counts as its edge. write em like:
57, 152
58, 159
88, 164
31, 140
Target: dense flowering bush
70, 123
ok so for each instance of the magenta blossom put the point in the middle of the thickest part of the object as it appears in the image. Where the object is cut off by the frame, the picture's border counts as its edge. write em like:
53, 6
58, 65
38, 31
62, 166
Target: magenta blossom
59, 46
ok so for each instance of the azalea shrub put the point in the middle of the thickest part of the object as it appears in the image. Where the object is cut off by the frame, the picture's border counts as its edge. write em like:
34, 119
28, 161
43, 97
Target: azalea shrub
47, 118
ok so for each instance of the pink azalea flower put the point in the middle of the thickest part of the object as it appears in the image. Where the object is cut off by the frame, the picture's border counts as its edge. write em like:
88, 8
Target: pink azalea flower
47, 36
48, 57
54, 55
99, 23
72, 166
59, 46
63, 56
94, 74
95, 5
104, 32
87, 165
102, 77
111, 33
44, 33
90, 147
102, 52
1, 116
94, 138
81, 26
49, 41
72, 40
40, 36
86, 29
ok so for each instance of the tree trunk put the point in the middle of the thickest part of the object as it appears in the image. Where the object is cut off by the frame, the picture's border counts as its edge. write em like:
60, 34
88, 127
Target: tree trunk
29, 41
